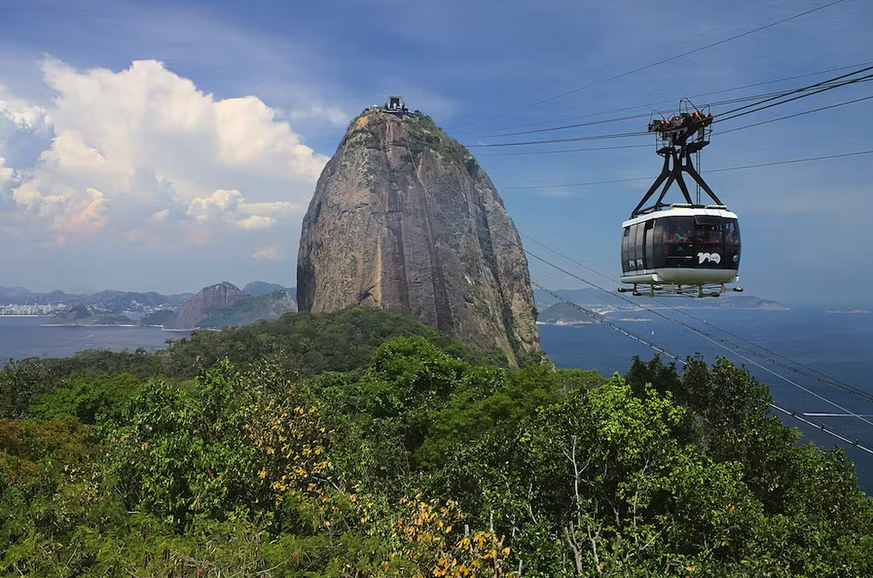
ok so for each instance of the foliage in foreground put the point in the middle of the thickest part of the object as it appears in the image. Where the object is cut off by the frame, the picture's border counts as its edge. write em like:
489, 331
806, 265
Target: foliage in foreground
300, 344
421, 464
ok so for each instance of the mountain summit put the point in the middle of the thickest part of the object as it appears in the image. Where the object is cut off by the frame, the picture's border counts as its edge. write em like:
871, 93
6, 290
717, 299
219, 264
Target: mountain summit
404, 218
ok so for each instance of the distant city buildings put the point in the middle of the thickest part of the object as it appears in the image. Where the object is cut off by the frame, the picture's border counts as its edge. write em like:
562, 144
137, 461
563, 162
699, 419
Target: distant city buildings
31, 309
135, 310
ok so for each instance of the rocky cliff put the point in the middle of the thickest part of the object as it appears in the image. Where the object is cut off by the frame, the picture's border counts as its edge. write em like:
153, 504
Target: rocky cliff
209, 301
404, 218
251, 309
223, 304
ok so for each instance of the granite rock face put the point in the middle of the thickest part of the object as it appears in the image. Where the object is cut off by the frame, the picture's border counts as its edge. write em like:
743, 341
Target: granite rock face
404, 218
209, 301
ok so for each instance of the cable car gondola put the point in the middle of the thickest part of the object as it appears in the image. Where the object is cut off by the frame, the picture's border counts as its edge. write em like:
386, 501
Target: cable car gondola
680, 248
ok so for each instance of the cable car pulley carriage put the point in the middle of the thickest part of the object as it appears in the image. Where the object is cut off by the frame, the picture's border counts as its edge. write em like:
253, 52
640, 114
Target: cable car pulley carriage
686, 248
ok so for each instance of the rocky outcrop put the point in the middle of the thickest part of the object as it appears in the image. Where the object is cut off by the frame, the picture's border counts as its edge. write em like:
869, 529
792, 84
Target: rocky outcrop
209, 301
258, 288
404, 218
251, 309
221, 305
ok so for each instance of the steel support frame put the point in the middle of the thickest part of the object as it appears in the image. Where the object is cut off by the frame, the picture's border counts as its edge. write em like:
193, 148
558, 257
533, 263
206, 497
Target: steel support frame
670, 172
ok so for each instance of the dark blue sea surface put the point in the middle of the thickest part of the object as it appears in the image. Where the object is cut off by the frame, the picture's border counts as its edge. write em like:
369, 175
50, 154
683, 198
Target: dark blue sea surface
26, 337
835, 347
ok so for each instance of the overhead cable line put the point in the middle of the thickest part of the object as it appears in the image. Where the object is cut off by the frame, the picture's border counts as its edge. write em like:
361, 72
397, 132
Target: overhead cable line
820, 87
576, 139
769, 96
565, 151
717, 170
568, 126
721, 117
839, 104
787, 364
689, 52
693, 96
604, 321
658, 349
714, 339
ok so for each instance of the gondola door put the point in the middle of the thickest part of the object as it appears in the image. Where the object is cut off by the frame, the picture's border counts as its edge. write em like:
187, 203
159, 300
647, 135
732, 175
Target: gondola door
649, 245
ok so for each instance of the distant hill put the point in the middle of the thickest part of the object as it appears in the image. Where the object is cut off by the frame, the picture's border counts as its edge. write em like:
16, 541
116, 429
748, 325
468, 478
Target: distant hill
224, 304
734, 301
251, 309
106, 301
22, 296
258, 288
209, 301
561, 313
133, 301
160, 317
81, 315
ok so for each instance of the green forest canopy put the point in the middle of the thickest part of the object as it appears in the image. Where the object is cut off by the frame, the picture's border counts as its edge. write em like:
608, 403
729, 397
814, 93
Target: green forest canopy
362, 443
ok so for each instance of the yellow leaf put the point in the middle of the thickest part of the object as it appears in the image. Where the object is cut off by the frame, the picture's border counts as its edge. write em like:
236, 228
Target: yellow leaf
262, 474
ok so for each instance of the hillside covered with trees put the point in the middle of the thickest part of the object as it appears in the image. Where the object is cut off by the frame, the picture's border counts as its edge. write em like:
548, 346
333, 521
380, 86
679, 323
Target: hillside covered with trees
362, 443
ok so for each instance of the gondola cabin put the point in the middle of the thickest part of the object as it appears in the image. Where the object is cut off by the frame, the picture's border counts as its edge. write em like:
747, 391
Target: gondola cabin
681, 245
681, 249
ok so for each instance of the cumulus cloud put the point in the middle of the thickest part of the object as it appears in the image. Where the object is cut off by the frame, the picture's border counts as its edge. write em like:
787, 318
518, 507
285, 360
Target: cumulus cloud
230, 206
267, 253
256, 222
331, 114
5, 172
215, 206
133, 149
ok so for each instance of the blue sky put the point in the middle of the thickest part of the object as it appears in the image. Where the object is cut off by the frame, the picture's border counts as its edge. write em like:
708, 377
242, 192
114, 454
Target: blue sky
195, 165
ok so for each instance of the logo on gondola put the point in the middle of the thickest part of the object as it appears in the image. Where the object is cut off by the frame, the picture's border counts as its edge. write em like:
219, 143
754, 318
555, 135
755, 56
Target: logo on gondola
710, 257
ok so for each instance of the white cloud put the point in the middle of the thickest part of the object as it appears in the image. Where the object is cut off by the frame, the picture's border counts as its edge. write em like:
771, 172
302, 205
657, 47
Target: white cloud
215, 206
88, 219
5, 172
229, 206
274, 208
21, 114
144, 146
256, 222
267, 253
331, 114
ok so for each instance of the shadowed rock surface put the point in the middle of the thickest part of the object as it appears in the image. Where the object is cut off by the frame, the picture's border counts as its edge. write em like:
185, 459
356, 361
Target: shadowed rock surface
404, 218
209, 301
224, 304
258, 288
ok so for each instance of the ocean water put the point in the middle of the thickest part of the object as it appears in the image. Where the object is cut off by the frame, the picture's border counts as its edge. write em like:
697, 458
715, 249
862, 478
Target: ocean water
26, 337
839, 346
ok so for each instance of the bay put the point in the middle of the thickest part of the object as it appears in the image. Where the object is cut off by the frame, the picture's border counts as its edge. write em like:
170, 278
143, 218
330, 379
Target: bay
831, 347
25, 337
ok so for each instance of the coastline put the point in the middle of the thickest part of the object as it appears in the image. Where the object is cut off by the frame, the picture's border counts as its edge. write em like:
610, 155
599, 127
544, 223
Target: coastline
21, 315
89, 325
